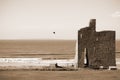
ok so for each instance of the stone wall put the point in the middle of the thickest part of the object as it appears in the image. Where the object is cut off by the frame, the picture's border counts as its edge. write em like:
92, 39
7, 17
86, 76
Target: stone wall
97, 47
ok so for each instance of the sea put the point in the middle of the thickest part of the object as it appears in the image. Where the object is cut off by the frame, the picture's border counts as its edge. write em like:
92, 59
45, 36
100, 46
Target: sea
60, 49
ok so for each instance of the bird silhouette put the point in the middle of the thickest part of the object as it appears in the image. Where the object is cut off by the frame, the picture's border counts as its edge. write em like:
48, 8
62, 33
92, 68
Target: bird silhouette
53, 32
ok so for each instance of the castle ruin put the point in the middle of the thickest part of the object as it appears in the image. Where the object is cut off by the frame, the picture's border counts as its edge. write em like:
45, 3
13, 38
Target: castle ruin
96, 49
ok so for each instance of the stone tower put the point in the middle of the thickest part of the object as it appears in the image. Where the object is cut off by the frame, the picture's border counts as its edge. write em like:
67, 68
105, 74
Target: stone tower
96, 49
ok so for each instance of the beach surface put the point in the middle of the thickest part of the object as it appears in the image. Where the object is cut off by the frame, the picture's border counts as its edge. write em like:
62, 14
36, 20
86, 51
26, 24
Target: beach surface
50, 49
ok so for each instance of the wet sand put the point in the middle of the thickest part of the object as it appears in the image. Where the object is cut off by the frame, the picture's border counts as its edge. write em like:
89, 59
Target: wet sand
83, 74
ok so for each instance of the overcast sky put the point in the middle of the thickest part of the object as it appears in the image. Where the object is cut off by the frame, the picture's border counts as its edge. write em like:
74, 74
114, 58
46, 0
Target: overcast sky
38, 19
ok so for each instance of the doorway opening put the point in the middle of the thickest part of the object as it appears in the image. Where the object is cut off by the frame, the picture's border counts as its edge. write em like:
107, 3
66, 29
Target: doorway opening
86, 60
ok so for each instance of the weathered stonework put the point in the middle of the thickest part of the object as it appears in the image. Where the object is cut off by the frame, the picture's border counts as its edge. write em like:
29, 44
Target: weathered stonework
98, 48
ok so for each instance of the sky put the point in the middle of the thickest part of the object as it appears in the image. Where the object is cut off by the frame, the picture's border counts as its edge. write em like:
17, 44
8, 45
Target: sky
38, 19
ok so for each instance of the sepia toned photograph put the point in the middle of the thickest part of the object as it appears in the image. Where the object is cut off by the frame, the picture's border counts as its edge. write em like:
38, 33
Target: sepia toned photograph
59, 39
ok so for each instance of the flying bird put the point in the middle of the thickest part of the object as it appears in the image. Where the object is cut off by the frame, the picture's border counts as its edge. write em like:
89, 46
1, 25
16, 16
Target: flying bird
53, 32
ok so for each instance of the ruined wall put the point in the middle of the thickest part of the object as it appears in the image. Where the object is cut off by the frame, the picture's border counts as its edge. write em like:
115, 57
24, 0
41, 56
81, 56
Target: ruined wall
85, 37
102, 50
98, 47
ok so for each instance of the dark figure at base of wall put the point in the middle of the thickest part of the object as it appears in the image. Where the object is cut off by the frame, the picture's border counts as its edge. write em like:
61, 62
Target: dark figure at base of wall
56, 65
